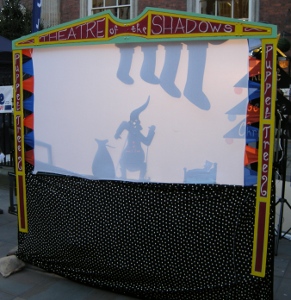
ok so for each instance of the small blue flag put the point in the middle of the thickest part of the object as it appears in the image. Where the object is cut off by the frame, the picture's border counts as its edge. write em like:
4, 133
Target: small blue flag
36, 12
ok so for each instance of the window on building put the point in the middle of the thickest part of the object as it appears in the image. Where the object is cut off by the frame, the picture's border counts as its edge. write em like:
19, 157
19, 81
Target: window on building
226, 8
122, 9
50, 13
238, 9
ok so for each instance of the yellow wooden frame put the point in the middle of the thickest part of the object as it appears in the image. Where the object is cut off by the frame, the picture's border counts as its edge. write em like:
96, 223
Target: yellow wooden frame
233, 29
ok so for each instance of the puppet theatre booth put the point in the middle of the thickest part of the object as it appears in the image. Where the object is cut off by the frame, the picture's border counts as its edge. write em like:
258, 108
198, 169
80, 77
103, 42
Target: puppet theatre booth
143, 166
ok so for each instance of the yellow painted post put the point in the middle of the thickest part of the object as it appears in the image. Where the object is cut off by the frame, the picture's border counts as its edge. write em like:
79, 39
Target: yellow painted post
19, 142
266, 148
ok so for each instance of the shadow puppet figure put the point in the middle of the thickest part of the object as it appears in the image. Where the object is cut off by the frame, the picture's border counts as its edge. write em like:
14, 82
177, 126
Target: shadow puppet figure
103, 167
133, 156
193, 90
207, 175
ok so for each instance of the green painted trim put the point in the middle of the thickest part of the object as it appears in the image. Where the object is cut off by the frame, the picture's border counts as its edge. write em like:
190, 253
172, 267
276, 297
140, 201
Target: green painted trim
125, 39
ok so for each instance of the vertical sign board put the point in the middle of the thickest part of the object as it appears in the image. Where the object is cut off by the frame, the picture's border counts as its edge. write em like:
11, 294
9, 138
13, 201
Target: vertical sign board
266, 148
157, 26
19, 142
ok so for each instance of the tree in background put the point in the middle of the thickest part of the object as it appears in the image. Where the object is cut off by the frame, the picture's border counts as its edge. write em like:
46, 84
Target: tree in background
15, 20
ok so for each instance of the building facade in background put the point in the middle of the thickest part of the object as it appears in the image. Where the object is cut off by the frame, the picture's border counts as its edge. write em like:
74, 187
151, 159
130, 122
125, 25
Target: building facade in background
55, 12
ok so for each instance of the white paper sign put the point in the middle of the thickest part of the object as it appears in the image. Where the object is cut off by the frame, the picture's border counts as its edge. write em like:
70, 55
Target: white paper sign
6, 97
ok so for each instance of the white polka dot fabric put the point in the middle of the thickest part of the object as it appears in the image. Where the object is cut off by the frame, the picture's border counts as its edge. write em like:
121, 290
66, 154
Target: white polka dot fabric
151, 241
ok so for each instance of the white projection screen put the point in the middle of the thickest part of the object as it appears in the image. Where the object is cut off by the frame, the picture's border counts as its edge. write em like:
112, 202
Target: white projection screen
141, 112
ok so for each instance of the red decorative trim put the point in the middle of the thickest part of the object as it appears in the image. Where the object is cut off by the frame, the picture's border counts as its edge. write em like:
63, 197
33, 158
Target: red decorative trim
267, 113
252, 29
164, 25
254, 66
28, 84
19, 135
22, 222
265, 160
31, 41
29, 157
18, 104
29, 121
268, 81
251, 155
253, 114
261, 236
138, 28
27, 52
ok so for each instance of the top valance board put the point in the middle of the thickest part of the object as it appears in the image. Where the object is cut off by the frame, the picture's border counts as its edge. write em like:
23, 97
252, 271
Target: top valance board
151, 26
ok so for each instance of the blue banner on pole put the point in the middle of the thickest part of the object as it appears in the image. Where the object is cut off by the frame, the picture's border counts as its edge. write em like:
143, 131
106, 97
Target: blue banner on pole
36, 15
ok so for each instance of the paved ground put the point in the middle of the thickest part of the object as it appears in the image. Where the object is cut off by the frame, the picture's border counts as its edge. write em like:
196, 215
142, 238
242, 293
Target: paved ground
34, 284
